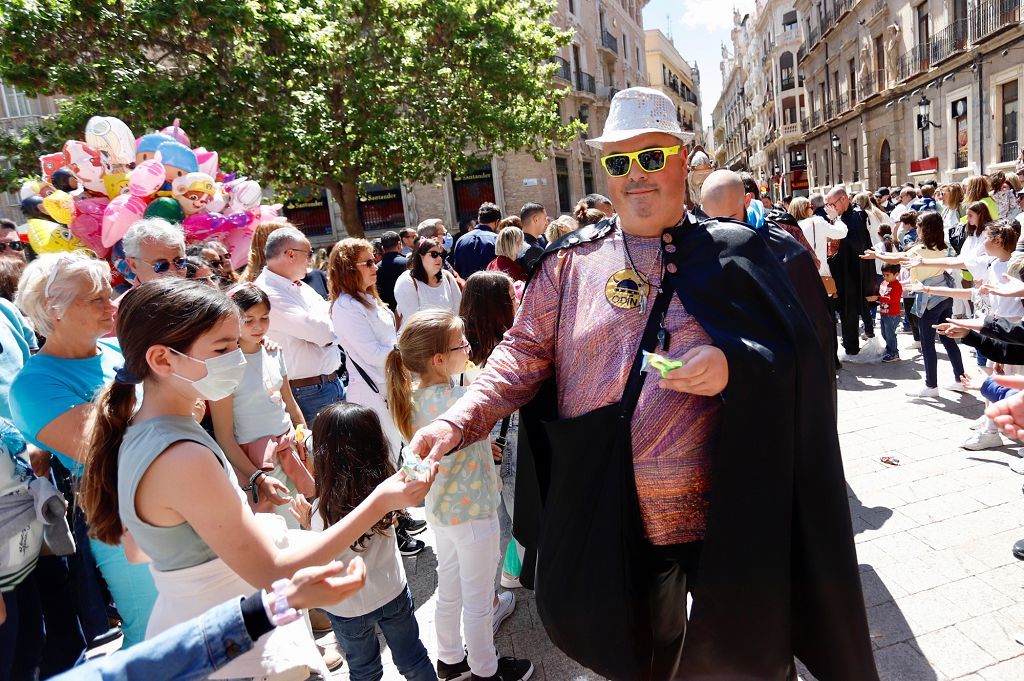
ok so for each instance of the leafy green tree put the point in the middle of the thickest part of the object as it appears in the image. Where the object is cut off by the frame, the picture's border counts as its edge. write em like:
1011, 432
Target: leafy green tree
297, 93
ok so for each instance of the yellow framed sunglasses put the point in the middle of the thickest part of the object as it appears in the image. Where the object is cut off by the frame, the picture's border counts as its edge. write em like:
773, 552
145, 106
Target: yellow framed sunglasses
651, 160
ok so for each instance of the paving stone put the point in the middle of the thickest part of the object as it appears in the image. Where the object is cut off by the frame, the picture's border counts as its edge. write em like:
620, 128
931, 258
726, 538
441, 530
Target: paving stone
952, 653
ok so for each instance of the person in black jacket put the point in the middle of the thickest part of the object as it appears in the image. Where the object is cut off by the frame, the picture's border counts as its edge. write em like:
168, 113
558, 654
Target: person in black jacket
855, 278
391, 267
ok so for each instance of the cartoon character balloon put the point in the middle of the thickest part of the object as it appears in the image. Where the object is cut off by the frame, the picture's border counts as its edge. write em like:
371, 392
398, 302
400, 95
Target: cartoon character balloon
146, 146
119, 215
50, 163
193, 191
209, 161
245, 195
60, 206
176, 133
49, 237
116, 183
178, 160
115, 142
87, 223
165, 207
84, 162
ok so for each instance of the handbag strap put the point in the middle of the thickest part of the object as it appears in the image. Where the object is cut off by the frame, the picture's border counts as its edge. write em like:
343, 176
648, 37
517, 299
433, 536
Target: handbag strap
365, 376
635, 380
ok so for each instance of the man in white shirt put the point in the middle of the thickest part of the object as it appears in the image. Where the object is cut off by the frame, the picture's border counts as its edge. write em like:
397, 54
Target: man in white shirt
907, 197
300, 321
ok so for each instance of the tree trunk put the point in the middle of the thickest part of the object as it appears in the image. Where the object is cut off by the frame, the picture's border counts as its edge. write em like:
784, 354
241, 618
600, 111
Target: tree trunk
346, 194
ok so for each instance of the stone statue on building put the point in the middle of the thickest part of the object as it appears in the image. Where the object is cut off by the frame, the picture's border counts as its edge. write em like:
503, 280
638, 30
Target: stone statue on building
893, 44
864, 74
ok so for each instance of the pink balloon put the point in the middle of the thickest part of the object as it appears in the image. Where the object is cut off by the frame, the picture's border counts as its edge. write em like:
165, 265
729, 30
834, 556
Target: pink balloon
269, 212
87, 223
147, 177
201, 226
238, 243
241, 219
121, 212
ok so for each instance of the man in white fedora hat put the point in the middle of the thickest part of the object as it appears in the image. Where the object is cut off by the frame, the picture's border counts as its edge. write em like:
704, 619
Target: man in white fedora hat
711, 466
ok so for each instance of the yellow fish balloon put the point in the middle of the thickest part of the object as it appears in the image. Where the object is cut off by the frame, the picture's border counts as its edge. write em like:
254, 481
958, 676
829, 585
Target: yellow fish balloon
49, 237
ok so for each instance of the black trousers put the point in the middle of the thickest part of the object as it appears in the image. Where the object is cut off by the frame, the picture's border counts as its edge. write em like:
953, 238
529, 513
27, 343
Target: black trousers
673, 575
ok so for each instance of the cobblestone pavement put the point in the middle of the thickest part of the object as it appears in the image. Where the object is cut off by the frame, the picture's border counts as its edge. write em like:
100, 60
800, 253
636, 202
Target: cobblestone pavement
944, 595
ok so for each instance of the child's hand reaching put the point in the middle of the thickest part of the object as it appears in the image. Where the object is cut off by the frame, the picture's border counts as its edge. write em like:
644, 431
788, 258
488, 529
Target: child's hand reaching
301, 510
399, 491
972, 381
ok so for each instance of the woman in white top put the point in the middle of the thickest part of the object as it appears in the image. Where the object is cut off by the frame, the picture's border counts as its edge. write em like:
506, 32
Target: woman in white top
817, 231
365, 327
426, 285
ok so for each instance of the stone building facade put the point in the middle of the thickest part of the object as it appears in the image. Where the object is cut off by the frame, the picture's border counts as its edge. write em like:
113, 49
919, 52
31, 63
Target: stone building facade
670, 73
16, 111
909, 91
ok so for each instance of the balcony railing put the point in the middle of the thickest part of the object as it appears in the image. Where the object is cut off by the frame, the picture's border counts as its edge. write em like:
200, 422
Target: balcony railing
842, 7
801, 53
879, 7
866, 87
842, 103
1008, 152
791, 130
949, 41
913, 62
788, 84
830, 112
961, 158
993, 15
815, 119
881, 80
805, 124
564, 71
609, 42
612, 91
585, 82
814, 36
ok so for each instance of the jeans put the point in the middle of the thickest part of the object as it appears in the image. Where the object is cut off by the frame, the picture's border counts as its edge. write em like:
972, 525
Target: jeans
937, 315
90, 599
312, 398
910, 319
466, 556
357, 636
21, 634
889, 322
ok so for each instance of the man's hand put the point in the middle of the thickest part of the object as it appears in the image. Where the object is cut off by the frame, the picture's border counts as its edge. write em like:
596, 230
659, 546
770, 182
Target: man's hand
1007, 288
951, 330
435, 439
705, 372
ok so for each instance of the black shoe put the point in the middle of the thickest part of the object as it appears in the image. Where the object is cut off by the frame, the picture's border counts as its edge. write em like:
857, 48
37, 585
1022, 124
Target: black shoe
407, 546
453, 672
106, 637
409, 525
509, 669
1018, 550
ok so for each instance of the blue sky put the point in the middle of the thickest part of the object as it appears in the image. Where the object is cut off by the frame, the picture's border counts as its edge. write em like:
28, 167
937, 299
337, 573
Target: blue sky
699, 27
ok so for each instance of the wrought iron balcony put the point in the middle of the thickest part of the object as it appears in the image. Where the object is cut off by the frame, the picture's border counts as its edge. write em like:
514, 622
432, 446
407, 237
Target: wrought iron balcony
1008, 152
788, 84
609, 42
585, 82
564, 71
914, 61
866, 87
805, 124
842, 103
961, 158
801, 53
992, 15
950, 41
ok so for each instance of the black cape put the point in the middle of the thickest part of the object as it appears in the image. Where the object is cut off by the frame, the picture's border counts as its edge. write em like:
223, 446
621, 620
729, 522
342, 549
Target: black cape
778, 575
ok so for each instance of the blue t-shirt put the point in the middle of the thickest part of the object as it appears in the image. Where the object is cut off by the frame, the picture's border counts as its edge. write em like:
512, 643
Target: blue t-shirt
17, 343
49, 386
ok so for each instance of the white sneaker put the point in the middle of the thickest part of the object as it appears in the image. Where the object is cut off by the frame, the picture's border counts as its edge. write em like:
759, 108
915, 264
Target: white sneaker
916, 345
510, 582
955, 387
506, 605
983, 440
980, 423
1017, 466
923, 392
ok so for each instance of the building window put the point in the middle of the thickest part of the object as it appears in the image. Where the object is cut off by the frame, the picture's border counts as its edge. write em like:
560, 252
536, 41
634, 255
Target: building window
885, 165
1009, 139
960, 131
879, 64
786, 71
16, 103
923, 34
796, 158
562, 181
382, 208
852, 82
588, 177
789, 21
855, 159
572, 6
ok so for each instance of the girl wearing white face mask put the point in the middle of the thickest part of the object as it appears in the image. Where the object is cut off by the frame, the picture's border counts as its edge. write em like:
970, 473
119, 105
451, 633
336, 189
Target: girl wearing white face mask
160, 484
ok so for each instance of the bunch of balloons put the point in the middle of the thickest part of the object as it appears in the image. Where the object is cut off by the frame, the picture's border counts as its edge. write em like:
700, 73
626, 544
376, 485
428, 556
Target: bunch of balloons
92, 191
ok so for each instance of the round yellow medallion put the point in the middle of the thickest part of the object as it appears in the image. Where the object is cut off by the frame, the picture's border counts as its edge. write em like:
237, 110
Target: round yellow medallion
625, 290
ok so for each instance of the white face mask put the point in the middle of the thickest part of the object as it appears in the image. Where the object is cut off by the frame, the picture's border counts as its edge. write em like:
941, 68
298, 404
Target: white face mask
223, 374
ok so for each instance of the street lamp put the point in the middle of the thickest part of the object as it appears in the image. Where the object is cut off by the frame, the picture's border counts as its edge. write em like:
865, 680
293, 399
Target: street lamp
924, 122
837, 146
777, 170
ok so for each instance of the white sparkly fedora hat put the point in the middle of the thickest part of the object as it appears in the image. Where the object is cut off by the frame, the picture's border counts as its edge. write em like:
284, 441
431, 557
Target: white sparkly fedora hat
639, 110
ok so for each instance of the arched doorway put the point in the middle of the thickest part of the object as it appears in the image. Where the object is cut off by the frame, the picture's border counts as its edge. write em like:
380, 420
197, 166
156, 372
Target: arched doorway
885, 166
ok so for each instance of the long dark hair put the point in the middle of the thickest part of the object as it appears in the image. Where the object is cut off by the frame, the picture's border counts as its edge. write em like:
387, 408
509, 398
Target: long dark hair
416, 268
351, 457
930, 231
487, 312
248, 295
167, 311
979, 208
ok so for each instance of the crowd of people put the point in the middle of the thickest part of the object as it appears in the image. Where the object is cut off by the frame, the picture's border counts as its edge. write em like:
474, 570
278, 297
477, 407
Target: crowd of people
208, 453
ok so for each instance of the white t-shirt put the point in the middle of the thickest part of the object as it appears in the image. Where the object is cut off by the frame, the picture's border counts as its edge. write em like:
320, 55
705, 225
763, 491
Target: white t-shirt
413, 295
817, 230
976, 258
1000, 306
385, 574
257, 406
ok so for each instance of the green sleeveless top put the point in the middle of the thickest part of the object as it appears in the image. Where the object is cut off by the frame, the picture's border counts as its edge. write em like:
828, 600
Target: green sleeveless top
170, 548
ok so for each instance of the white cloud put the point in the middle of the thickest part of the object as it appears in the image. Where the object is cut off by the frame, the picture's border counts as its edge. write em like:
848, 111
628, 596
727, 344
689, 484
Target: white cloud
712, 15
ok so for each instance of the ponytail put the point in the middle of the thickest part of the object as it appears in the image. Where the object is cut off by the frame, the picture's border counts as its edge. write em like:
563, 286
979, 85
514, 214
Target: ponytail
113, 409
399, 380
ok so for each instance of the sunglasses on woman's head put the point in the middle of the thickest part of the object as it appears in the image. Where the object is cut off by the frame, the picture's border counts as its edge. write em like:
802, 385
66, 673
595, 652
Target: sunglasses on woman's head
161, 266
650, 160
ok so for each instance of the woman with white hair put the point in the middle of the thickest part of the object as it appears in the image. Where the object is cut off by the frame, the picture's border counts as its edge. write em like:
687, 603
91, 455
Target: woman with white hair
67, 298
509, 246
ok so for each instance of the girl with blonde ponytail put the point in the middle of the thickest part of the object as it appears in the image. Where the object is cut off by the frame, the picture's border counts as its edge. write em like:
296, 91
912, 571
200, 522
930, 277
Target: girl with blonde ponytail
462, 508
158, 475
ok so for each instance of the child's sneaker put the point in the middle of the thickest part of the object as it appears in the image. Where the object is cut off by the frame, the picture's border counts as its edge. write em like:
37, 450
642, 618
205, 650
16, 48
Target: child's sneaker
506, 605
890, 358
509, 669
453, 672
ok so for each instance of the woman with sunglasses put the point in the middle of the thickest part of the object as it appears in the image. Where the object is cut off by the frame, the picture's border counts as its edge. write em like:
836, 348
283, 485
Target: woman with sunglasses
67, 298
427, 284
